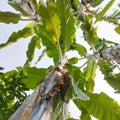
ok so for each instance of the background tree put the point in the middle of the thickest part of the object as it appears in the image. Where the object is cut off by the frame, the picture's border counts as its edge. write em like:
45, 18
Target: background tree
53, 25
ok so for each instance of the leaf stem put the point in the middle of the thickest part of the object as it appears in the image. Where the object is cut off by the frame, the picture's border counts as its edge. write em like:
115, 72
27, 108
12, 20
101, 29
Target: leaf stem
59, 49
89, 81
84, 64
82, 58
92, 69
22, 19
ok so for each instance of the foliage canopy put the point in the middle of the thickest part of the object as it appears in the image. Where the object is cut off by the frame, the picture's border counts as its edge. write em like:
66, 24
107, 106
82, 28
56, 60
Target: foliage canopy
53, 25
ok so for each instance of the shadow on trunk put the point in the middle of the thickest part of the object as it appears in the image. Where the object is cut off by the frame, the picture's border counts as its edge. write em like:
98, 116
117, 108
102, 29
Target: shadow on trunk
39, 106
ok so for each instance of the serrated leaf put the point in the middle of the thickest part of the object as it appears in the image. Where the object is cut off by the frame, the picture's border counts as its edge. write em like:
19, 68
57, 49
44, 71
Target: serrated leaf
15, 36
73, 60
95, 3
31, 48
51, 48
117, 29
101, 106
9, 17
105, 9
78, 92
67, 24
34, 76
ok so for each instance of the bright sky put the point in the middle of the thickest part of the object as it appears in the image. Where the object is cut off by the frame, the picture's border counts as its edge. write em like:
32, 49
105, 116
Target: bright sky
14, 55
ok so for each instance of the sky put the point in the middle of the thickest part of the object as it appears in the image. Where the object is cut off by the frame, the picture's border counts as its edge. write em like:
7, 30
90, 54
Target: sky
15, 54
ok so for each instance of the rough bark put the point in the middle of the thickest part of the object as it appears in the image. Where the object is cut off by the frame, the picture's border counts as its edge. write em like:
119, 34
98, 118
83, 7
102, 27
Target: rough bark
39, 106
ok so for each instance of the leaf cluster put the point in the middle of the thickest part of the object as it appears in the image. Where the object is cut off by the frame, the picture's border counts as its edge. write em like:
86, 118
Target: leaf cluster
12, 92
53, 25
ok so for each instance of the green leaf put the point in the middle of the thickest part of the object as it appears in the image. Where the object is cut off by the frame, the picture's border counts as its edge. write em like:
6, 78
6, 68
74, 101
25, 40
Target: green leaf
91, 69
95, 3
43, 11
105, 9
73, 60
75, 4
115, 15
41, 56
67, 24
90, 72
106, 67
101, 106
81, 49
24, 33
12, 93
118, 4
57, 110
31, 48
85, 115
78, 76
9, 17
114, 82
51, 47
107, 70
117, 29
78, 92
36, 5
50, 19
89, 31
34, 76
1, 68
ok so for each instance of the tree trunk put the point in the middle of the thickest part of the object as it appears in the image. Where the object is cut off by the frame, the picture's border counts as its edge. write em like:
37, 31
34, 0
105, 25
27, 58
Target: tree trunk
39, 106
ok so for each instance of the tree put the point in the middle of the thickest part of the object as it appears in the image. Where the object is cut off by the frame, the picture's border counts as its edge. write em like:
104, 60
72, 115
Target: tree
53, 25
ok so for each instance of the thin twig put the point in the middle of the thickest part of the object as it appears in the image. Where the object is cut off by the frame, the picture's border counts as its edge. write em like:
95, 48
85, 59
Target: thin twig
82, 58
104, 18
